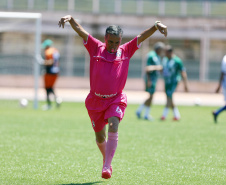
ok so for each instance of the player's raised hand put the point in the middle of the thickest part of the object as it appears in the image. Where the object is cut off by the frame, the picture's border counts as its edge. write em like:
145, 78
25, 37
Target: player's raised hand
161, 27
63, 20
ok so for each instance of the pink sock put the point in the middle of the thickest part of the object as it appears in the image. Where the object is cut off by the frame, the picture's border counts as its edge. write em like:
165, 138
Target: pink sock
111, 147
102, 147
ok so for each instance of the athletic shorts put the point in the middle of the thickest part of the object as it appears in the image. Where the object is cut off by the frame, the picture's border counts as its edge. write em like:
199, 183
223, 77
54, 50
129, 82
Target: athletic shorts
49, 80
150, 89
100, 109
170, 89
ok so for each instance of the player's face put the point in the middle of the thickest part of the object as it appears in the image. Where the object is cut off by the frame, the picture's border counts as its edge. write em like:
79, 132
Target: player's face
112, 42
169, 54
161, 52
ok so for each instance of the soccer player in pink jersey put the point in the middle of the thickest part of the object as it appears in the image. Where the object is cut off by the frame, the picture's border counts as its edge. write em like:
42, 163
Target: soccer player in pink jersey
109, 63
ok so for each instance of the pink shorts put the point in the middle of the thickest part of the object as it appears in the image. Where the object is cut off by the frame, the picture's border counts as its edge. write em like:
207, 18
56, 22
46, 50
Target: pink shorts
100, 109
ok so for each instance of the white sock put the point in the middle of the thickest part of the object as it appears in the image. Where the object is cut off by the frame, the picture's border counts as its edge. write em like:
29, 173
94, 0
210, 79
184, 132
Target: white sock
165, 112
140, 108
176, 112
147, 111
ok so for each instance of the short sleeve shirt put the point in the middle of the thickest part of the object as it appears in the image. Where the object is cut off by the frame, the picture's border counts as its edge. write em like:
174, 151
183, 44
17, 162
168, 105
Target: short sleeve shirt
108, 71
223, 70
153, 59
52, 53
172, 69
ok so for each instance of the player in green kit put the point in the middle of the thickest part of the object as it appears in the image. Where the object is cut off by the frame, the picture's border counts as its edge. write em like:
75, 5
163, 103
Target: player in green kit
173, 70
152, 72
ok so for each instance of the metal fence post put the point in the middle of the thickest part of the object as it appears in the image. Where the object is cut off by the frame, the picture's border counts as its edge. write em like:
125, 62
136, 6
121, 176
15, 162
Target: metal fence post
183, 9
204, 57
71, 5
96, 6
206, 8
139, 7
161, 7
50, 5
10, 4
30, 4
118, 6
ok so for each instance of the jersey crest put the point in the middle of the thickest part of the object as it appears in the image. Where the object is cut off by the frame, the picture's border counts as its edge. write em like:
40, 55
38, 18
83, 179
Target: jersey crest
119, 53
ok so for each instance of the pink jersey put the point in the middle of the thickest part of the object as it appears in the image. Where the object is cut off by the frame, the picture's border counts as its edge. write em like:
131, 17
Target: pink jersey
108, 71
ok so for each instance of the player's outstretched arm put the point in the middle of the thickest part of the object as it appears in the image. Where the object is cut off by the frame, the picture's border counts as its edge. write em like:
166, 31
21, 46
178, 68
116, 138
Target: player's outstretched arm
75, 25
151, 68
147, 33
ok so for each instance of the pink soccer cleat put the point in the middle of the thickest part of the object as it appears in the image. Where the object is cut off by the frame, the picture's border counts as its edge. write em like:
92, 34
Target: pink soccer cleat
162, 118
176, 119
106, 172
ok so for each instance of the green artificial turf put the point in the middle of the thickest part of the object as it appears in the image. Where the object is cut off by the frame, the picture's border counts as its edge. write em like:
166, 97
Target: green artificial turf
58, 147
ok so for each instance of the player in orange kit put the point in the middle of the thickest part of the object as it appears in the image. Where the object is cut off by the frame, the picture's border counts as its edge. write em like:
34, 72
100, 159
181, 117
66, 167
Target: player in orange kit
52, 70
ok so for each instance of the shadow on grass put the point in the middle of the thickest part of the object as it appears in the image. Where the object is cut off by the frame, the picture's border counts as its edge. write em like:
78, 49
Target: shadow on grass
87, 183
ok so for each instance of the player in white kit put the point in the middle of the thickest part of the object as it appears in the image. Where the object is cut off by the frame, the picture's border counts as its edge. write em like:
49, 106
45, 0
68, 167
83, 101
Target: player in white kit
222, 83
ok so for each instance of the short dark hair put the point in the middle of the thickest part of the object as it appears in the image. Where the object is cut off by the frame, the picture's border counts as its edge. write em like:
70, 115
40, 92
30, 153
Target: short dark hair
114, 30
159, 45
169, 48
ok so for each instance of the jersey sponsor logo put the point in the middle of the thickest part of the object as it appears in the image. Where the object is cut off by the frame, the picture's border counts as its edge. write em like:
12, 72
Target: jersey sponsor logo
118, 110
101, 57
105, 96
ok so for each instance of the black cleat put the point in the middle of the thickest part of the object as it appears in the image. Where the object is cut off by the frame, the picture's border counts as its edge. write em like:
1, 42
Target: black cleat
215, 117
138, 115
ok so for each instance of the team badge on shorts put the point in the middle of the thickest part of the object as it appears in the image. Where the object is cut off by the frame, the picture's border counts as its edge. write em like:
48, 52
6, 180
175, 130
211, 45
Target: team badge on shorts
118, 110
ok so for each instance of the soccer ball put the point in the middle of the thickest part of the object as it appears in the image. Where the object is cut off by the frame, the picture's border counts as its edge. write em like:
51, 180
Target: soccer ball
197, 101
23, 102
59, 100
